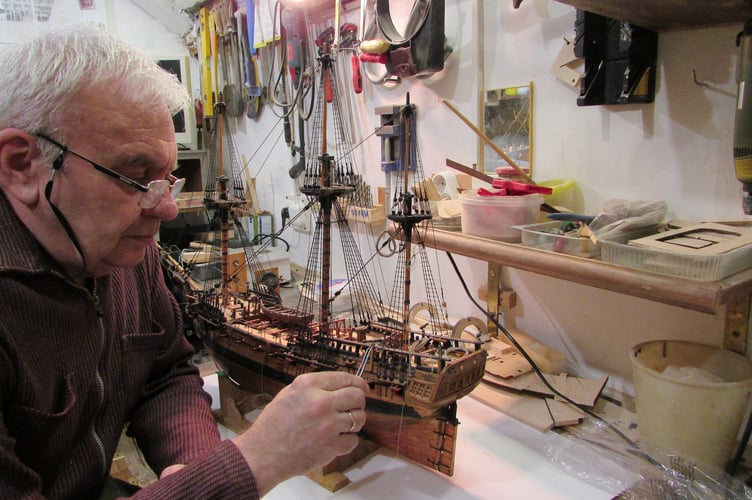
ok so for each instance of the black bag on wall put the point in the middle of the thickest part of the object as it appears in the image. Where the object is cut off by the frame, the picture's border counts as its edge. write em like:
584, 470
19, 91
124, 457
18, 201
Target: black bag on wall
420, 51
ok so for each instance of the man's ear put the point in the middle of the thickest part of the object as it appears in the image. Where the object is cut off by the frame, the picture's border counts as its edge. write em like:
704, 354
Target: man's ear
18, 154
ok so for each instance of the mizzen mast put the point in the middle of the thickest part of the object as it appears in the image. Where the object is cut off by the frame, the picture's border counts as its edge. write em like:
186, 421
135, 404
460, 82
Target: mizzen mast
410, 207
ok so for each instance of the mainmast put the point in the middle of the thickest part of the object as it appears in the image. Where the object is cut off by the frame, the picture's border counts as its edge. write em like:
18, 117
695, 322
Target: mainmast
331, 181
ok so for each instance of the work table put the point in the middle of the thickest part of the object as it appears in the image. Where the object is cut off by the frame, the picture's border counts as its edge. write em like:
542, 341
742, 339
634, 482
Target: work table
497, 457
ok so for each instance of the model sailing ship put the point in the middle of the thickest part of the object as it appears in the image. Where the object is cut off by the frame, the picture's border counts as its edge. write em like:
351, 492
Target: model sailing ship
416, 373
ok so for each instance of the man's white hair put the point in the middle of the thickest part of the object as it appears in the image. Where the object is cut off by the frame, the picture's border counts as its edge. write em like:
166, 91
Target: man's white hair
41, 78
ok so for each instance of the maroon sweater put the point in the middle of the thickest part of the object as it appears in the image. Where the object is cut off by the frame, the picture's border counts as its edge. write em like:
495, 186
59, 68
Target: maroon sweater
77, 364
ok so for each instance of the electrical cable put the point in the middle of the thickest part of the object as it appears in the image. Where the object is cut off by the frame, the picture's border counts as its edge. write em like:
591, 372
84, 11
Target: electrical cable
542, 378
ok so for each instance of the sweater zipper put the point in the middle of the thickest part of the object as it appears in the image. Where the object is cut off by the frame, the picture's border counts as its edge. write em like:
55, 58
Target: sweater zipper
99, 380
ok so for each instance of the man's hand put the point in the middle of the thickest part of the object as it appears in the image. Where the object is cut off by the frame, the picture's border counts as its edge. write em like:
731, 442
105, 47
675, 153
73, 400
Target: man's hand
308, 424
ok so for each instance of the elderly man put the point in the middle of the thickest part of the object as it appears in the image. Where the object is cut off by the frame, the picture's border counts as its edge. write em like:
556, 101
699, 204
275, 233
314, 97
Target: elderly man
90, 338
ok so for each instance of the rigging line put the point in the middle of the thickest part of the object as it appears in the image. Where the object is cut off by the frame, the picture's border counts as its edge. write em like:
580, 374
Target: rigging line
438, 267
246, 165
363, 267
266, 138
364, 361
270, 239
271, 150
639, 452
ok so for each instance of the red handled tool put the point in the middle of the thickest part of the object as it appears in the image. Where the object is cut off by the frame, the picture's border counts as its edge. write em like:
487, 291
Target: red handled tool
515, 188
357, 76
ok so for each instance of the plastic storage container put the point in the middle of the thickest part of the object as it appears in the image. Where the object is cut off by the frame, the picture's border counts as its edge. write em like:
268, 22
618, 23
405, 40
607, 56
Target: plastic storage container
690, 398
547, 236
494, 217
544, 235
696, 267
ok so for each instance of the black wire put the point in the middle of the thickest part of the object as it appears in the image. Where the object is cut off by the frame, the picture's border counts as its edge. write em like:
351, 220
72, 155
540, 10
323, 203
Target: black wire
259, 239
539, 373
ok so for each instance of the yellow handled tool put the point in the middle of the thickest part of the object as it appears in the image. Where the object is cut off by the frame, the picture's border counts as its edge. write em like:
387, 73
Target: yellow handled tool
206, 63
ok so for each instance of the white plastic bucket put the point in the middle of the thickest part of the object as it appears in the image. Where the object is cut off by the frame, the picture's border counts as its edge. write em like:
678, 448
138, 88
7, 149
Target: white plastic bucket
697, 417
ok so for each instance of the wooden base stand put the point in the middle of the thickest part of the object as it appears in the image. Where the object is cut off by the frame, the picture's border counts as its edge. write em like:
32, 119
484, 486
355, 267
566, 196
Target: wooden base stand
332, 476
236, 402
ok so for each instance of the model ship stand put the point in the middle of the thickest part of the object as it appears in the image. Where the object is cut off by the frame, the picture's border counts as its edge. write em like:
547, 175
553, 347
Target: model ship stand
236, 402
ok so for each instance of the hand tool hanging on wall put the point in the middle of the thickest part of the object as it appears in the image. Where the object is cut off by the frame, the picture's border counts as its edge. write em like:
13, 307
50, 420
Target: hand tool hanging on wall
298, 55
278, 95
230, 91
214, 44
207, 88
243, 54
252, 78
281, 88
349, 42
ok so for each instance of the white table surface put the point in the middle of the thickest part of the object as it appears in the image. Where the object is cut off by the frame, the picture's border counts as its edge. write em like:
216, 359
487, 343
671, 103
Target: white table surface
496, 457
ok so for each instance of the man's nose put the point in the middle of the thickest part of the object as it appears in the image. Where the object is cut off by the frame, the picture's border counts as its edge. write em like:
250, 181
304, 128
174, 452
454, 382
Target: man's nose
166, 209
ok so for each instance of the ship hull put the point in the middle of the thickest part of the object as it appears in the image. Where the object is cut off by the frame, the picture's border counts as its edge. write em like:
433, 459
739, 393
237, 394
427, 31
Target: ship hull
265, 366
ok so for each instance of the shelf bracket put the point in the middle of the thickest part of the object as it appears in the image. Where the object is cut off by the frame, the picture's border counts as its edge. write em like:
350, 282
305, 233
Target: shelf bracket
493, 297
737, 323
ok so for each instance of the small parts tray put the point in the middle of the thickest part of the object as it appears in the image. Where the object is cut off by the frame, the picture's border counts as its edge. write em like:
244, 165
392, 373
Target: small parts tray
549, 236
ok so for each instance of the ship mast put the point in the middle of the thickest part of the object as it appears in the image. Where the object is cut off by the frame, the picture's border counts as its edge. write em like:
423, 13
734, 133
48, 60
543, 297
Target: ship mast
328, 185
222, 195
408, 210
222, 201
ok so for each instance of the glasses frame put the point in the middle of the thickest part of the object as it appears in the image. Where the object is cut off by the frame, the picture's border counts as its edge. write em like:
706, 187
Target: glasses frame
156, 188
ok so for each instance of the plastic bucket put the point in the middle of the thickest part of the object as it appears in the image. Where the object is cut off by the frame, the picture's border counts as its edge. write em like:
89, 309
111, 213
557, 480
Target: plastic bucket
690, 399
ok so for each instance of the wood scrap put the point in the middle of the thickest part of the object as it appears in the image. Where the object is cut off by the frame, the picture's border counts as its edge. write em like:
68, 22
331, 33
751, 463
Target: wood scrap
547, 358
507, 365
250, 189
581, 390
540, 413
427, 188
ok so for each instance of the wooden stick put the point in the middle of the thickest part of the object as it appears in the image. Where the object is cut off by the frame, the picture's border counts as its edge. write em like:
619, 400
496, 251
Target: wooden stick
490, 143
469, 171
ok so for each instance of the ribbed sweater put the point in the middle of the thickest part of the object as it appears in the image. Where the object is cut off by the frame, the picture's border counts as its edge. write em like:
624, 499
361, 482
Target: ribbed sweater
79, 363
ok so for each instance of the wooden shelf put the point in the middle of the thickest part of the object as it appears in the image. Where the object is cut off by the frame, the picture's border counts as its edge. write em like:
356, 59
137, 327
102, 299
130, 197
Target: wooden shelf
706, 297
668, 14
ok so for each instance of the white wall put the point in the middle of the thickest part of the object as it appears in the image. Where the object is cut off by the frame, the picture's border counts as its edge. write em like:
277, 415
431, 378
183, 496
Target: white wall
677, 149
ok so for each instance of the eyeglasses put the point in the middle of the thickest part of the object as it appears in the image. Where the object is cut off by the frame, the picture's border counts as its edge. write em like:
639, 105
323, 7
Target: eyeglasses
153, 193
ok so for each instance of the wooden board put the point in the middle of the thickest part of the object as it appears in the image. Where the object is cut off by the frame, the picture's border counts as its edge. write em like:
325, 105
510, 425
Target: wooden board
540, 413
668, 14
510, 364
582, 391
547, 358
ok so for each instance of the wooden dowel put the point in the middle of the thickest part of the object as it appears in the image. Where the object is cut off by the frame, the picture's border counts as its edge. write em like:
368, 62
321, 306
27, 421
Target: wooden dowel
490, 143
